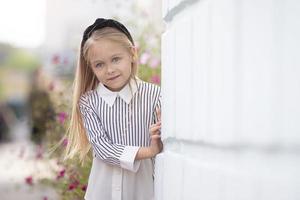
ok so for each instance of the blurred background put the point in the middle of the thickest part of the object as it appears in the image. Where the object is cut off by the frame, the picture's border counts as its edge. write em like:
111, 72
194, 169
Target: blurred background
230, 72
39, 42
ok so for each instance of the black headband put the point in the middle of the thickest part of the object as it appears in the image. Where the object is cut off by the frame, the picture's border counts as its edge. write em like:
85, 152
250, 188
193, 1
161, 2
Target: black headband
102, 23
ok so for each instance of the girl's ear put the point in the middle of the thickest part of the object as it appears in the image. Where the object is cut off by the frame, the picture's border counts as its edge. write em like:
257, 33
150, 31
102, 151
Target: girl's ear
134, 53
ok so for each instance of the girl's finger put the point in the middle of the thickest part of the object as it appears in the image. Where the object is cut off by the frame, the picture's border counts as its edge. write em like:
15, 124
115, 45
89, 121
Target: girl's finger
151, 126
156, 124
155, 128
155, 137
156, 132
158, 114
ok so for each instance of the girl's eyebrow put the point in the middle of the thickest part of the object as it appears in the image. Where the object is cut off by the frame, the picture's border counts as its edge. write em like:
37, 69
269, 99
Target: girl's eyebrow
97, 61
116, 54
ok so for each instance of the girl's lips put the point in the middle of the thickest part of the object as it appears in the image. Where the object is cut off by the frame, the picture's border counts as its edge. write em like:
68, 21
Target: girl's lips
110, 79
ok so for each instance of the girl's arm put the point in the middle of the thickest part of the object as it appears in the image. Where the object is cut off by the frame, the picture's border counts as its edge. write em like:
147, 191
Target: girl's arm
144, 153
156, 145
111, 153
149, 152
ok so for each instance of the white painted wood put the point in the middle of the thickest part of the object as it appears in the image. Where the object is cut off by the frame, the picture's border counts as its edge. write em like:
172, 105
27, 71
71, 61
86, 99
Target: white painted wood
231, 93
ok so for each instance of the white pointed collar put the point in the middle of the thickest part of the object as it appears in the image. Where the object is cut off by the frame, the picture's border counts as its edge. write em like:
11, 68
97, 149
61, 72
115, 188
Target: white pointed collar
126, 94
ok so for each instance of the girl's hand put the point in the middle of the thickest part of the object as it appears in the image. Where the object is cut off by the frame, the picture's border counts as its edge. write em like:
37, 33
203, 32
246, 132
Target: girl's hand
156, 144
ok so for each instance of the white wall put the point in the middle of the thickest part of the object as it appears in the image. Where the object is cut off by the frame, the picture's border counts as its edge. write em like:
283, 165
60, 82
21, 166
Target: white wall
231, 93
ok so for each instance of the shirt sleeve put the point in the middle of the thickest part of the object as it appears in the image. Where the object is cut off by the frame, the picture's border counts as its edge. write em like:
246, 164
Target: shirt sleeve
115, 154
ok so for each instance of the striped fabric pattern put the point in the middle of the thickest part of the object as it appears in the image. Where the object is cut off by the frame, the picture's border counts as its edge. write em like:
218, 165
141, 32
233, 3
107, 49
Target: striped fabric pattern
110, 128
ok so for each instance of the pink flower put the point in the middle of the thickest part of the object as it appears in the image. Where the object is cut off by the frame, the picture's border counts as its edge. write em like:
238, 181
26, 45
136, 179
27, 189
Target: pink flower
154, 63
55, 59
29, 180
61, 174
144, 58
83, 188
65, 142
155, 79
62, 117
45, 198
73, 185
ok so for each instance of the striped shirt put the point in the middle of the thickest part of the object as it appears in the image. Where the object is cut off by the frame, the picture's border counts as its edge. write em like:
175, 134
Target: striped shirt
117, 125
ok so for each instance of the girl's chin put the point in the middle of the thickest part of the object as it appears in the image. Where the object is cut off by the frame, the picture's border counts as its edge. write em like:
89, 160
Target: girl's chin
115, 88
116, 84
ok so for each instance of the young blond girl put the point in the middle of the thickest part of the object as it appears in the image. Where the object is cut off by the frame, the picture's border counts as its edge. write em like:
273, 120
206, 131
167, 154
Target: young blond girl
116, 114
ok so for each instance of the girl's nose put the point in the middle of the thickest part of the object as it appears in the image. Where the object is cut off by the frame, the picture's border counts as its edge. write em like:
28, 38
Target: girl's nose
110, 69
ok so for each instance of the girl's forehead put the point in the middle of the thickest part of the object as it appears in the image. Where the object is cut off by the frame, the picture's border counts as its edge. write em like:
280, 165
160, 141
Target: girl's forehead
103, 49
106, 44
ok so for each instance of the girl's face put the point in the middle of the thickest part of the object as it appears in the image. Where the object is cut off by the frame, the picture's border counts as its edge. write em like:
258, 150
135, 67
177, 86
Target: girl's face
111, 63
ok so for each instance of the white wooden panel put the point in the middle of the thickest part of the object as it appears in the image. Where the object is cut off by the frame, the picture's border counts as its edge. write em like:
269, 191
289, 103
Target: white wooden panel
291, 71
205, 182
184, 94
168, 89
256, 61
231, 89
222, 78
200, 64
172, 176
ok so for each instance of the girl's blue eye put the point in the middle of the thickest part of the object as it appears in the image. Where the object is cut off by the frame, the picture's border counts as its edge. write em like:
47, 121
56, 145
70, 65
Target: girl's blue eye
99, 65
116, 59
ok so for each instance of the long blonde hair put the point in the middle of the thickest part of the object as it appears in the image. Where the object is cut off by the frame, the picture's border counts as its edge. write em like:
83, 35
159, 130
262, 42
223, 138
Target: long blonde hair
84, 81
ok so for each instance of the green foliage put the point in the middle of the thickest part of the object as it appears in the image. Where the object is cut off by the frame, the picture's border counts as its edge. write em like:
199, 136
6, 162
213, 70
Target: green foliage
5, 51
17, 58
41, 112
70, 181
22, 60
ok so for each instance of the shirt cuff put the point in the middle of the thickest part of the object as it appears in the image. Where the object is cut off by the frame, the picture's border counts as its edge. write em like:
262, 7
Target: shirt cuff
127, 158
